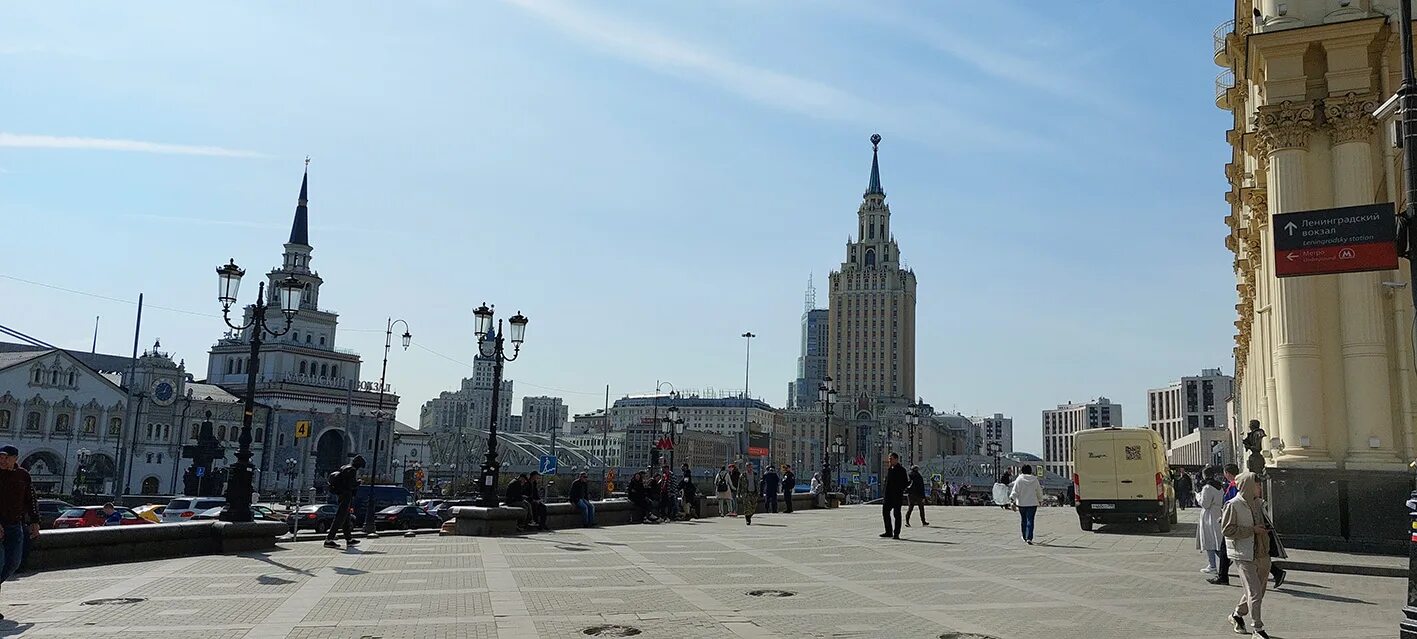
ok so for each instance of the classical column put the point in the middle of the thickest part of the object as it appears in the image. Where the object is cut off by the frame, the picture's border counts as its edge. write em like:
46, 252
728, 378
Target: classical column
1367, 384
1298, 378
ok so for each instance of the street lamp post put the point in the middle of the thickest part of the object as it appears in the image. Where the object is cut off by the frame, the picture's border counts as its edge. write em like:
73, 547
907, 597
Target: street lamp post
838, 450
654, 407
827, 396
83, 455
747, 361
288, 293
671, 425
912, 420
370, 530
292, 466
491, 346
994, 449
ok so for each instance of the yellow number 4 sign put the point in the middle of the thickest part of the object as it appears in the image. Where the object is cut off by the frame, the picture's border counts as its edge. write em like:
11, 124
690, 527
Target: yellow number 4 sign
302, 429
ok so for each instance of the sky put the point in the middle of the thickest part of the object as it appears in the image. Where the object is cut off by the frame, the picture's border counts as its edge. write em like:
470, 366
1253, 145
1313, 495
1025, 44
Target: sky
645, 181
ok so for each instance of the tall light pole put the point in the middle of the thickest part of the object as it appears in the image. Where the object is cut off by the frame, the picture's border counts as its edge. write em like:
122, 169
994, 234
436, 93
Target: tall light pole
672, 424
370, 530
287, 296
747, 362
491, 345
912, 420
994, 449
654, 403
838, 450
827, 396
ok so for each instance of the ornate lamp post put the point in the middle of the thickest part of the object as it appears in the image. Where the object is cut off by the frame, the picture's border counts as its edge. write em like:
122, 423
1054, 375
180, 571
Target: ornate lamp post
671, 425
912, 419
491, 345
369, 528
288, 292
838, 450
994, 449
292, 468
827, 396
81, 473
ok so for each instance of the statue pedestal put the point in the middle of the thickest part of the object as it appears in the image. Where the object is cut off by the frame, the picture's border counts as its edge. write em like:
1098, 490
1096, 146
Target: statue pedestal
1340, 510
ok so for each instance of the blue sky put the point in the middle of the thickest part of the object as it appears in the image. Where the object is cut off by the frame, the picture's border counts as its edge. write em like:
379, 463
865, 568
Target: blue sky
645, 181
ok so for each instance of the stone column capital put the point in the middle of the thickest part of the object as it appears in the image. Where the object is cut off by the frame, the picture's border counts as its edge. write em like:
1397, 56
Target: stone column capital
1284, 126
1350, 117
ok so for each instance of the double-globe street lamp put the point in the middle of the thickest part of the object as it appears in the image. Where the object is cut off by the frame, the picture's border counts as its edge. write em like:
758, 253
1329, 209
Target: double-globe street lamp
838, 451
369, 527
288, 292
994, 448
912, 420
827, 395
671, 425
491, 345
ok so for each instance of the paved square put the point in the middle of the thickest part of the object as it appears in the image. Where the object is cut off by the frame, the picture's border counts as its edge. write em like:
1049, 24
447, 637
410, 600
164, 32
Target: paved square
967, 573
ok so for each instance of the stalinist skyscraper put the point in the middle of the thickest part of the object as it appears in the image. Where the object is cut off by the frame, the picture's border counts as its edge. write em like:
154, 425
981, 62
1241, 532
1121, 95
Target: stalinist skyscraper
871, 354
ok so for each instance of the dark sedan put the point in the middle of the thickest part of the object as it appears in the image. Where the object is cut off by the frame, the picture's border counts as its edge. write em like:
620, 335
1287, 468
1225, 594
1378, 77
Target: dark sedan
405, 518
316, 516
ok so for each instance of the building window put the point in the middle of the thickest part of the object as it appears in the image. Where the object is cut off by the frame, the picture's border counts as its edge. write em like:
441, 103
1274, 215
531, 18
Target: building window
221, 431
307, 338
334, 371
280, 438
302, 368
230, 366
324, 370
61, 424
159, 458
322, 340
150, 431
115, 426
38, 376
150, 458
32, 422
260, 435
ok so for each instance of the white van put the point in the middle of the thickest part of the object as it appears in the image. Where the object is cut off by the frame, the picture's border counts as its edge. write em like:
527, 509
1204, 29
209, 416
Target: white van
1120, 475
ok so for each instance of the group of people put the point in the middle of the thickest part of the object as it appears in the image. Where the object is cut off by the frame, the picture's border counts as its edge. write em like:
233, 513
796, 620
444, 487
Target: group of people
739, 491
657, 494
1234, 529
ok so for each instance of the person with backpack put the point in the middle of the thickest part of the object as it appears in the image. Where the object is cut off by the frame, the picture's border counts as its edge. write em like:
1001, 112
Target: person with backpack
720, 490
343, 483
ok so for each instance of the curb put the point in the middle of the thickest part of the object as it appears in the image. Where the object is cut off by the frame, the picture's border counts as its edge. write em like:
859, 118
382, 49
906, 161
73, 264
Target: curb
1342, 569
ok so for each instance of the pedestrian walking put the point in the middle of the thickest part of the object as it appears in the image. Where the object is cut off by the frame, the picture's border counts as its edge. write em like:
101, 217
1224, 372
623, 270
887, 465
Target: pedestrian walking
748, 487
1183, 490
343, 483
1243, 523
580, 499
1222, 576
896, 482
1209, 539
789, 486
720, 491
690, 493
19, 512
1026, 492
770, 482
735, 489
915, 495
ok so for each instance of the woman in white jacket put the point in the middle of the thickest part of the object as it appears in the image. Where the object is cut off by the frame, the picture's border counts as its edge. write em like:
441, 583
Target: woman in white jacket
1208, 537
1246, 531
1026, 493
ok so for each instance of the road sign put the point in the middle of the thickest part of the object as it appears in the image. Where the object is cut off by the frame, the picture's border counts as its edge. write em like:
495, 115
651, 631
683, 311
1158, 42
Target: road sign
548, 464
873, 480
302, 428
1348, 239
201, 470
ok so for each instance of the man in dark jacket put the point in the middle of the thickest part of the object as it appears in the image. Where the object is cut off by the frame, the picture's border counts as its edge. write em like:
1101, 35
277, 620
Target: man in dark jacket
343, 484
894, 494
915, 495
789, 485
19, 512
516, 498
533, 497
770, 483
639, 496
580, 498
690, 493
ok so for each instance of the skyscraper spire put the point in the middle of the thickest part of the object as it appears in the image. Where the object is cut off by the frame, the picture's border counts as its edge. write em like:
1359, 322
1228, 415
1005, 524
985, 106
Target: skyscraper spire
810, 301
299, 229
874, 186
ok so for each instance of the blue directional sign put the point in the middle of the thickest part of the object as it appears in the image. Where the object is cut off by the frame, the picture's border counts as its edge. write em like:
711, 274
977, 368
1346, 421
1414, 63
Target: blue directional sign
548, 464
874, 480
201, 470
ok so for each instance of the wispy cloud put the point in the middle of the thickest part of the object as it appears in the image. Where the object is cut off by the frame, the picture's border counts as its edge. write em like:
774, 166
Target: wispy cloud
805, 96
152, 217
27, 141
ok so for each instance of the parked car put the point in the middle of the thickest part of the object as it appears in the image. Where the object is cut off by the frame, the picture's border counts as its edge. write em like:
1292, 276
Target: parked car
430, 505
445, 510
258, 513
92, 516
50, 509
151, 512
317, 516
185, 508
384, 496
405, 518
